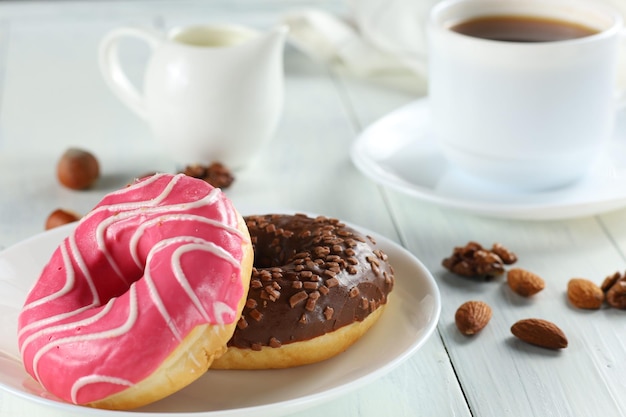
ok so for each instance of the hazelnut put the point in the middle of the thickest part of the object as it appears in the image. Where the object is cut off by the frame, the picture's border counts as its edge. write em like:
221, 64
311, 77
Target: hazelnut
78, 169
59, 217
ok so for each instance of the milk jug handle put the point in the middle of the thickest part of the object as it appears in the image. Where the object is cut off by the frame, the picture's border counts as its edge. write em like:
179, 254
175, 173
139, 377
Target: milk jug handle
111, 68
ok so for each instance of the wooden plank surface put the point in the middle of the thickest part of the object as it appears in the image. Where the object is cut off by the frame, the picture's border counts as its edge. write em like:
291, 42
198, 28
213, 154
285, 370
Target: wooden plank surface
500, 375
53, 97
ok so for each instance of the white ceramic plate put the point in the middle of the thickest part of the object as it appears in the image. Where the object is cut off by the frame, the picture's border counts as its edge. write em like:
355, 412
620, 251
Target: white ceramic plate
398, 151
409, 320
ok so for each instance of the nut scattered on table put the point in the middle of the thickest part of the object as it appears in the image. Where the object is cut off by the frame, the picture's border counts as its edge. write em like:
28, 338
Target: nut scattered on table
540, 332
614, 287
216, 174
583, 293
507, 256
59, 217
472, 260
78, 169
524, 283
472, 316
610, 281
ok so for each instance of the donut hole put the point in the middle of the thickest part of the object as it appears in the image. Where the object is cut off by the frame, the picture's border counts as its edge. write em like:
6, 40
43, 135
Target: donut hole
267, 256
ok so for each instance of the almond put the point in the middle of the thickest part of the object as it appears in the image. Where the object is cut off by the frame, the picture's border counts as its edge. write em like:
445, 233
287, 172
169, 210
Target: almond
583, 293
524, 283
472, 316
540, 332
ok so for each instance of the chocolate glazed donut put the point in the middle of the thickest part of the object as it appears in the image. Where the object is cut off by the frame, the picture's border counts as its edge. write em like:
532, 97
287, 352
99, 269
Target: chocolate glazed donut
317, 286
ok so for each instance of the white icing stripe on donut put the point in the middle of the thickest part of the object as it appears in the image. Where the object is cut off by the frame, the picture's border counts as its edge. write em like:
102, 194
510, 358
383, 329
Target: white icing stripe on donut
150, 207
124, 328
100, 239
126, 206
191, 243
65, 327
78, 257
52, 319
154, 205
67, 286
127, 210
220, 310
96, 379
182, 280
141, 207
134, 241
158, 302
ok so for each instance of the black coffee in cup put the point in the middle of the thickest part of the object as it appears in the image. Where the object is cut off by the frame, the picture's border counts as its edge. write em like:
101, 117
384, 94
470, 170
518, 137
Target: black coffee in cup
522, 28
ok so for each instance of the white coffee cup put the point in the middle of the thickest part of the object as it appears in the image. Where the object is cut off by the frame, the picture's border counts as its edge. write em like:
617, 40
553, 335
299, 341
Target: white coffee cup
529, 115
211, 93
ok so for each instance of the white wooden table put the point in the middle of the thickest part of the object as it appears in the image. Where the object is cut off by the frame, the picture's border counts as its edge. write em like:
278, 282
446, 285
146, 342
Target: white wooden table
52, 97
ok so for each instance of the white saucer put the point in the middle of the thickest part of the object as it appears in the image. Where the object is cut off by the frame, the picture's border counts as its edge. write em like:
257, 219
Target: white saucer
399, 151
410, 319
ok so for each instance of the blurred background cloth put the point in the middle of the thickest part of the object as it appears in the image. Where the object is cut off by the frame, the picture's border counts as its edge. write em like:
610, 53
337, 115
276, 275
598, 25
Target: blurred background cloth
378, 37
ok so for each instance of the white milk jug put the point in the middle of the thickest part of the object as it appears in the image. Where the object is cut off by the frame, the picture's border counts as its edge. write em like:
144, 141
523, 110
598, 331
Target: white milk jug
210, 93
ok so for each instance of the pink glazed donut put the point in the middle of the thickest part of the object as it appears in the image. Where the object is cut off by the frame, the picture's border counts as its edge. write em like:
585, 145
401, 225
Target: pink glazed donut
137, 302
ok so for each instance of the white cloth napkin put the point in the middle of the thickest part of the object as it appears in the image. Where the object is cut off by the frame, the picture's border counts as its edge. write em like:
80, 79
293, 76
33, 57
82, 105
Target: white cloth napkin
379, 36
376, 37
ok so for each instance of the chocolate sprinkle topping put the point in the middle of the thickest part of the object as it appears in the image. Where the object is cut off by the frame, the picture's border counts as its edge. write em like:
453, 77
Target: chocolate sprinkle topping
311, 276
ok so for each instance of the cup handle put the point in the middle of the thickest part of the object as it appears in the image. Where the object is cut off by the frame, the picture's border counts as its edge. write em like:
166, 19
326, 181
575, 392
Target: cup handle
111, 68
